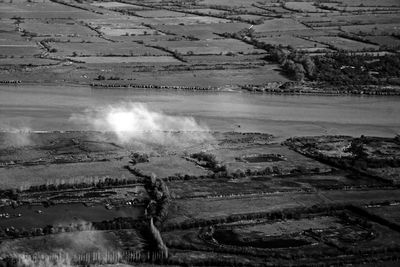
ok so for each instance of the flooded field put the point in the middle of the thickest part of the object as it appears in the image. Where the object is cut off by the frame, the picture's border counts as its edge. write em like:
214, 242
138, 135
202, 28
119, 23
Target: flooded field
64, 214
51, 108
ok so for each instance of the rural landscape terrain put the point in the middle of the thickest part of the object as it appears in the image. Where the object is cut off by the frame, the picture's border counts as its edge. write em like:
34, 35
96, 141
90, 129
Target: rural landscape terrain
332, 47
171, 133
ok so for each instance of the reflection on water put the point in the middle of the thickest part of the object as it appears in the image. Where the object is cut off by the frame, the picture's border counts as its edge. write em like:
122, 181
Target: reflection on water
50, 108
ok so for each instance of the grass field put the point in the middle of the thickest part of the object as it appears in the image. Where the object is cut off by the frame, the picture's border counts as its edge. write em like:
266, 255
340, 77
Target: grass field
17, 177
202, 31
42, 10
74, 243
219, 46
279, 25
207, 208
289, 40
105, 49
119, 59
385, 41
341, 43
233, 159
57, 28
170, 165
304, 7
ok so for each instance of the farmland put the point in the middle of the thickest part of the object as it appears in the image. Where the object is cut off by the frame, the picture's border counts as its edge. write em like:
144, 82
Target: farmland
151, 34
242, 193
199, 133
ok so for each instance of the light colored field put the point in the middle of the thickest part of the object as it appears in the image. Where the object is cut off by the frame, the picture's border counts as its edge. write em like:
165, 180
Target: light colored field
17, 177
14, 38
57, 28
228, 78
247, 17
235, 3
293, 226
110, 4
344, 43
279, 25
293, 159
171, 165
207, 11
254, 59
304, 7
40, 10
187, 20
137, 59
220, 46
7, 25
104, 49
293, 41
128, 31
187, 209
160, 14
203, 31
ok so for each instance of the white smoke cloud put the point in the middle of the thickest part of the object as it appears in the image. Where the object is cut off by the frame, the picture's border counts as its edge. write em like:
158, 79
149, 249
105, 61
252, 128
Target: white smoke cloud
135, 122
15, 137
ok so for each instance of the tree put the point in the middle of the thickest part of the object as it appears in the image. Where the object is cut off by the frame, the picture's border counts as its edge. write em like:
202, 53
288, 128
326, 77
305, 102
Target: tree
299, 72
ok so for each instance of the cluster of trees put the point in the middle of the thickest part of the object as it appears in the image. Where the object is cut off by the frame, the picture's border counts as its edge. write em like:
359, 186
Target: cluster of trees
161, 200
295, 64
208, 161
138, 158
111, 78
361, 158
118, 224
347, 69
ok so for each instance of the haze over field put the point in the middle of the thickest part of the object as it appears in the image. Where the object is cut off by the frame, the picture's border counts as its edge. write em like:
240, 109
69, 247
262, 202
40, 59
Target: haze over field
132, 122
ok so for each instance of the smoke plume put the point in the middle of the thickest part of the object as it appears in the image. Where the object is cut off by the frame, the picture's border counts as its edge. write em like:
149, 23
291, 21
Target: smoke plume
135, 122
15, 137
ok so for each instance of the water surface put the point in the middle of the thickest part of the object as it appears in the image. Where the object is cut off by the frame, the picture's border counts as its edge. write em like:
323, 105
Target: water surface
50, 108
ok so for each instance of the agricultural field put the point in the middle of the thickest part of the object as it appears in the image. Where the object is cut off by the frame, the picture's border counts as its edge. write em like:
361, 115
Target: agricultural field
345, 44
390, 212
261, 157
109, 49
241, 193
288, 40
173, 197
279, 25
75, 242
55, 28
138, 38
207, 47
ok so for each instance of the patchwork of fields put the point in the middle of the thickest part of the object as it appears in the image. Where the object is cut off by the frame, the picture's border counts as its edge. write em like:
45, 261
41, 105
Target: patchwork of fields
144, 36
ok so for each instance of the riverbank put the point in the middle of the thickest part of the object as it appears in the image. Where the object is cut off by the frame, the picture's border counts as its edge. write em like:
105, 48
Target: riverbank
275, 88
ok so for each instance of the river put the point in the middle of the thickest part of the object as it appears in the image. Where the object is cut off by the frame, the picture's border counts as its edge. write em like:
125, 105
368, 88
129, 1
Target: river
50, 108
